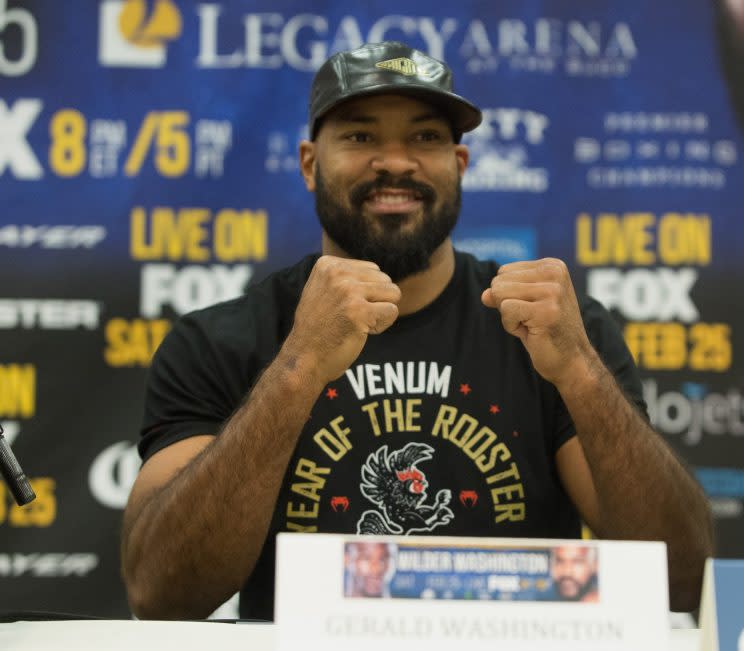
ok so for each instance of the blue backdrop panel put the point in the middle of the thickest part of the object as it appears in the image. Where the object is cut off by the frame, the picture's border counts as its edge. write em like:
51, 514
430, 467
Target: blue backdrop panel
148, 167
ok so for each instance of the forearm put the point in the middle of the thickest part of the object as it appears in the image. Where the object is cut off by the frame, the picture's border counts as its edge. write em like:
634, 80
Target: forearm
643, 491
193, 542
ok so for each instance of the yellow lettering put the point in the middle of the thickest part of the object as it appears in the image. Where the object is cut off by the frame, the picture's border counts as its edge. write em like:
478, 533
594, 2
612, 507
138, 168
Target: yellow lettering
308, 470
133, 343
511, 512
507, 491
512, 473
186, 234
300, 511
412, 414
67, 154
684, 239
391, 414
498, 452
615, 240
302, 528
710, 347
465, 426
657, 346
629, 239
42, 511
397, 417
17, 390
193, 231
241, 235
369, 409
586, 254
488, 436
445, 418
139, 249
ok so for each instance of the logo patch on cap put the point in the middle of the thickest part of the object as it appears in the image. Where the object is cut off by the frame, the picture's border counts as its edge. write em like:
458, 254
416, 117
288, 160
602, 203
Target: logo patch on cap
404, 66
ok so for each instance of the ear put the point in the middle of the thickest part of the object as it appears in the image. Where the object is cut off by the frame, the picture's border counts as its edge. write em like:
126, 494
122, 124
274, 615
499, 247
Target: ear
307, 163
462, 154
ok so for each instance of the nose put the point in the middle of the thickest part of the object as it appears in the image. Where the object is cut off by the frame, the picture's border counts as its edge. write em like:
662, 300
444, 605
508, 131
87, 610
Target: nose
395, 158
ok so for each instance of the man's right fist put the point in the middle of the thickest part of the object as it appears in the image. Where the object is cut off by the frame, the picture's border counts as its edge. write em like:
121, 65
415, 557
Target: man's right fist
343, 301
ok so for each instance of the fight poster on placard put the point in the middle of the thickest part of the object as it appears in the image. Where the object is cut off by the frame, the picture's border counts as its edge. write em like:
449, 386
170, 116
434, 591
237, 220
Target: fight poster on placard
568, 572
148, 167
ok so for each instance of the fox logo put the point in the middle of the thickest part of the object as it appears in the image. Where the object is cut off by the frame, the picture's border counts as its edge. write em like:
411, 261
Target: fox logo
394, 483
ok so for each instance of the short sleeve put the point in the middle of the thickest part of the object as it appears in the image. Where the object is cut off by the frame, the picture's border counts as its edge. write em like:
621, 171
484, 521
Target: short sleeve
184, 394
608, 341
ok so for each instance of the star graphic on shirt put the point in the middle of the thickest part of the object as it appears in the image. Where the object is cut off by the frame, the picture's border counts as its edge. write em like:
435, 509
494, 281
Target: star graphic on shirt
331, 394
494, 409
465, 389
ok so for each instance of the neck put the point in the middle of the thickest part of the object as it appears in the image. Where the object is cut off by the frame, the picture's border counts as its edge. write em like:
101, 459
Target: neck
419, 290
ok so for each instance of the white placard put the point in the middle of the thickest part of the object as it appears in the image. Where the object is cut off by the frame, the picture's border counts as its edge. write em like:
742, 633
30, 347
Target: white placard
364, 592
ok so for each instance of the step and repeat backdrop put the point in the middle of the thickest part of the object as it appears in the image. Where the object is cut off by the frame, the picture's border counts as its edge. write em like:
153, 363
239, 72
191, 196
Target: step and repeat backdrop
148, 167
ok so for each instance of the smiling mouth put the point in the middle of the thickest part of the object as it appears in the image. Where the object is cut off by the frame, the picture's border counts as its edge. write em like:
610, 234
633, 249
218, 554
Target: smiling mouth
393, 201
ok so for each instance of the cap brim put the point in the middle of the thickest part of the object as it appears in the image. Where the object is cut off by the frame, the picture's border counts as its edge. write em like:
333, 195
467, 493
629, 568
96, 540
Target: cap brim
463, 115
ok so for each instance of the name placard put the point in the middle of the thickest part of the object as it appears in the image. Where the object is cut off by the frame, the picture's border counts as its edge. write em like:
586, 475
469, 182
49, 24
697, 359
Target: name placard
365, 592
722, 606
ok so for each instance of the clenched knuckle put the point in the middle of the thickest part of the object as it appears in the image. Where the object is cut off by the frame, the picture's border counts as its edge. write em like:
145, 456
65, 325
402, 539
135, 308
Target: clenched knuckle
554, 267
324, 263
553, 312
341, 283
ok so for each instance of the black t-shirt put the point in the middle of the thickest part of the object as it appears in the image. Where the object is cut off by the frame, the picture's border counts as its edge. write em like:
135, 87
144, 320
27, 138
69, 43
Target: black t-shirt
441, 426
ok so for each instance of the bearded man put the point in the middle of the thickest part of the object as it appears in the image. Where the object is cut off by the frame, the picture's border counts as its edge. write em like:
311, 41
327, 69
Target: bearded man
392, 384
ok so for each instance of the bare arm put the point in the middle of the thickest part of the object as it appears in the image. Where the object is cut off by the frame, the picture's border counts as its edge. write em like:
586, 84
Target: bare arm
623, 477
643, 492
200, 511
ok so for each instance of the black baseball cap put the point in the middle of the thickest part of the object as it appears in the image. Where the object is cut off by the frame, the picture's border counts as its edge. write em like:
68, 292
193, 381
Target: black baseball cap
388, 67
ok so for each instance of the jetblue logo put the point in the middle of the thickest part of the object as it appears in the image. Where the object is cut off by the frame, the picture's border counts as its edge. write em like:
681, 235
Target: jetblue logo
694, 412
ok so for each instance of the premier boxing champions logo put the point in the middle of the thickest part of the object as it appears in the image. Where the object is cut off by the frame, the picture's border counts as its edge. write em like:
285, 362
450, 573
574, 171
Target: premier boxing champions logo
394, 483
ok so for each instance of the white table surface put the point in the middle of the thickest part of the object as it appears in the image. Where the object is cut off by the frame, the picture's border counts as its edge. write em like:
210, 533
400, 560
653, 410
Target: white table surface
123, 635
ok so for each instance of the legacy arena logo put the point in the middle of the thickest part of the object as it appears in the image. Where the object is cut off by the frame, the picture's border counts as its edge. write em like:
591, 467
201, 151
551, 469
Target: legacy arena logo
500, 150
694, 412
134, 33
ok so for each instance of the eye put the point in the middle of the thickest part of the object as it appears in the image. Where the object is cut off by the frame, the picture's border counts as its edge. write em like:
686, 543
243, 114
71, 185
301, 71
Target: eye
429, 135
359, 137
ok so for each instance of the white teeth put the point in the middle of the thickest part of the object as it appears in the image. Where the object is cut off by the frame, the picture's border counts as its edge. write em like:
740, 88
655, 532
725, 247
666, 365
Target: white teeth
392, 198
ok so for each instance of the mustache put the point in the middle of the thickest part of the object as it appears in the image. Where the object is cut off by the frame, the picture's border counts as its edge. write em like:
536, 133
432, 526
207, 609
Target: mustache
360, 193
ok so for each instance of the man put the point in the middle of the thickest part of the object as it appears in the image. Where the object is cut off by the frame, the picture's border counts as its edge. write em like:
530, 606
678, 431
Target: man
392, 385
574, 572
367, 567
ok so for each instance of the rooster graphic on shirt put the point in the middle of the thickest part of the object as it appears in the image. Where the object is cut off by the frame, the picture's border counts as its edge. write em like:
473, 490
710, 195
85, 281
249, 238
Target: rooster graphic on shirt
394, 483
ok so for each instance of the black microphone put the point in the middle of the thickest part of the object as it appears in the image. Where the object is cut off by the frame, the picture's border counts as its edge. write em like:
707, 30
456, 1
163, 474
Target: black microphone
13, 474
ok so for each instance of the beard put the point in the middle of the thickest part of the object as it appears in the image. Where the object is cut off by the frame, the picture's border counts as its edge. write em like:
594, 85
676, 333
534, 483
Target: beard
579, 591
399, 253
